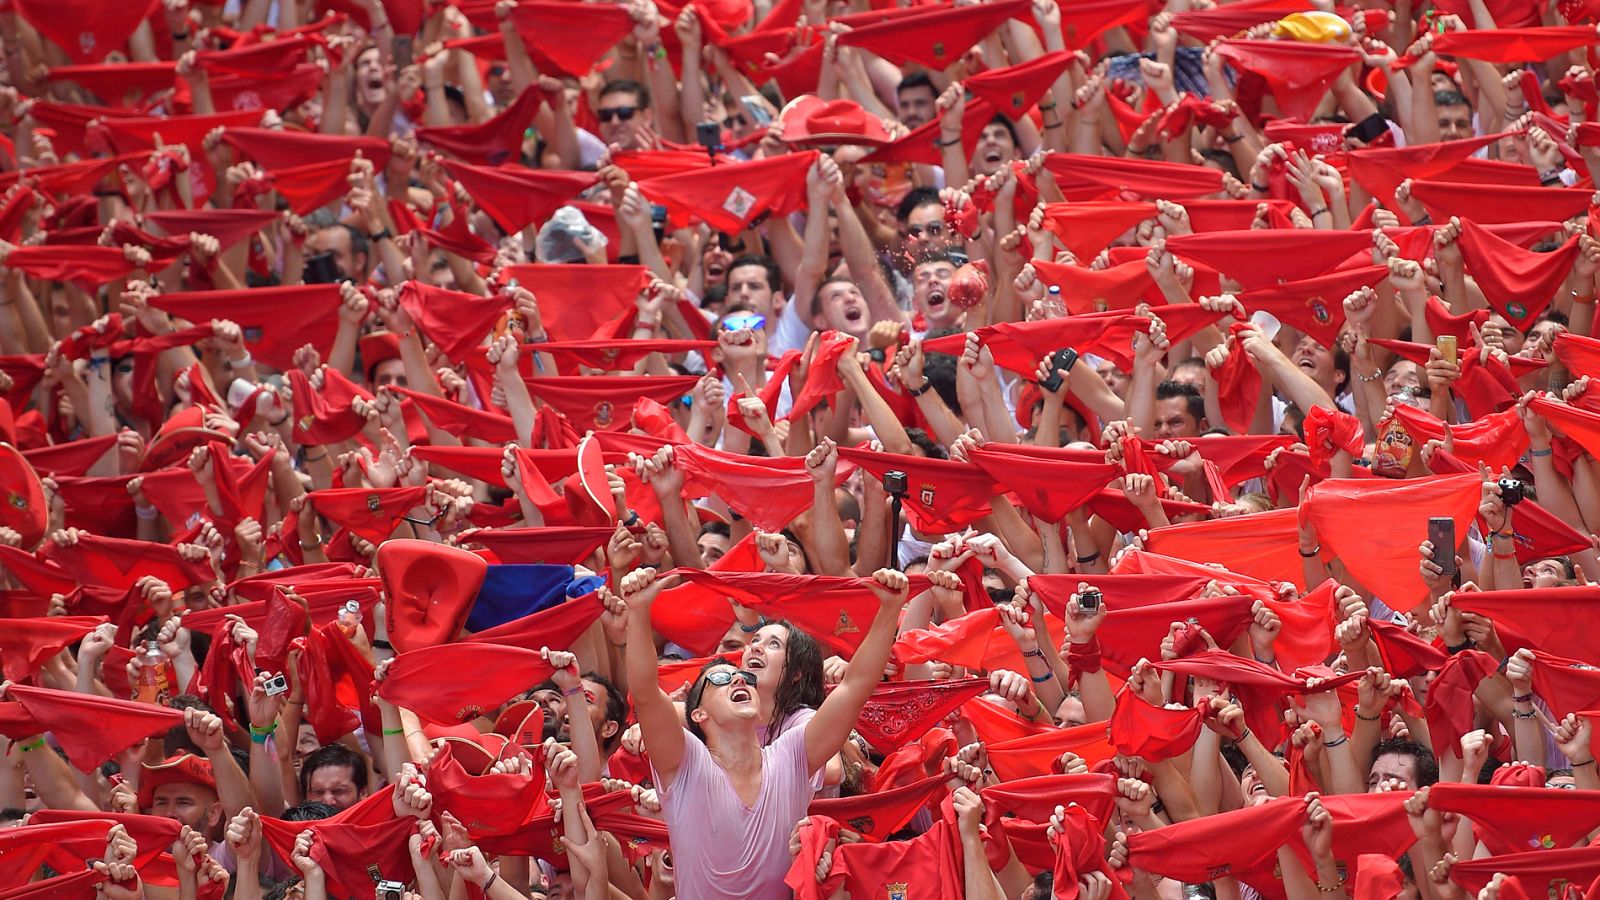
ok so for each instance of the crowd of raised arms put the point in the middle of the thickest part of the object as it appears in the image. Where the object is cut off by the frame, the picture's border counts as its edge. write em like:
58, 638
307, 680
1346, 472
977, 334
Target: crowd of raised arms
754, 449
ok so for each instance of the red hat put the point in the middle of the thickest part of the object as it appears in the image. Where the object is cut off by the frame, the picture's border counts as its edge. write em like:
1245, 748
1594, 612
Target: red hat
474, 750
521, 724
811, 121
22, 504
186, 768
429, 589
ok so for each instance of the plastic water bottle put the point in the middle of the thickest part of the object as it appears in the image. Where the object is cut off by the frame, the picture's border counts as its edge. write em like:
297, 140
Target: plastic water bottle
350, 617
152, 684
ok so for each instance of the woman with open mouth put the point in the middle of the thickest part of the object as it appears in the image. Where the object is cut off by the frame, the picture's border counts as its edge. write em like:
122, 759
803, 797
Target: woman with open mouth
729, 802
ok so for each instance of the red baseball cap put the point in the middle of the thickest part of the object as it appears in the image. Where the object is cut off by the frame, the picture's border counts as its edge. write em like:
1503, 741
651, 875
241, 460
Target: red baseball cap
521, 723
429, 589
183, 432
185, 768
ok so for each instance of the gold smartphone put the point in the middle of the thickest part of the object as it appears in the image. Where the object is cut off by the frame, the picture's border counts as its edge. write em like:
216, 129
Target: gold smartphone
1447, 347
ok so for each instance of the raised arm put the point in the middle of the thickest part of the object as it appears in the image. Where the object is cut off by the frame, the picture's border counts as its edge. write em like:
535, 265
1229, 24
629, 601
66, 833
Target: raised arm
659, 719
830, 727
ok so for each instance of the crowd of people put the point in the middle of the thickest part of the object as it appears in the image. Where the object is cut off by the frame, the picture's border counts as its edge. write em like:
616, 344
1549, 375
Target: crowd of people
815, 448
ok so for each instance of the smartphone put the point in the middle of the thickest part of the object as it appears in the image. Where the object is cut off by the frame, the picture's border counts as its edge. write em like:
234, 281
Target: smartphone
1442, 534
1061, 362
1089, 600
1369, 129
1447, 347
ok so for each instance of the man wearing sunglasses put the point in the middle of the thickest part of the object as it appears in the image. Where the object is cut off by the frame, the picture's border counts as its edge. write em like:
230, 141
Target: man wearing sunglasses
626, 119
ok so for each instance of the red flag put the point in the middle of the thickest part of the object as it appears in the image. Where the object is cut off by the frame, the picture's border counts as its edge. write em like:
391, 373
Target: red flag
936, 38
451, 683
1385, 560
1298, 253
1519, 819
730, 198
93, 729
1152, 732
941, 495
1299, 74
276, 321
1518, 283
516, 197
490, 143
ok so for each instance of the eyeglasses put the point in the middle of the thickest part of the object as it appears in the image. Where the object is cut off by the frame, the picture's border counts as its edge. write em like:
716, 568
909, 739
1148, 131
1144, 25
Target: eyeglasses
722, 677
732, 122
622, 113
741, 321
932, 229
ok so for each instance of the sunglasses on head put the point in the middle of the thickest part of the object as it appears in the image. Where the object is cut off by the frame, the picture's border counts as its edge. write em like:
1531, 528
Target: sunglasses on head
722, 677
617, 113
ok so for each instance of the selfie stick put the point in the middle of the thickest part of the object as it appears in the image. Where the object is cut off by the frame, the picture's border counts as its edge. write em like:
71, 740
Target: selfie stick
895, 482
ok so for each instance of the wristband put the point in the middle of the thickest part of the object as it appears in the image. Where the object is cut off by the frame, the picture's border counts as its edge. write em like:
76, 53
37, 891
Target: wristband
572, 691
1232, 140
382, 235
1083, 659
493, 876
1260, 188
392, 732
1368, 379
1085, 560
1042, 678
1522, 698
918, 392
1243, 736
1530, 714
1587, 762
1427, 219
264, 730
1034, 652
258, 738
32, 745
154, 513
949, 143
1339, 741
751, 629
1319, 211
1314, 552
1505, 556
1464, 645
1367, 718
1540, 454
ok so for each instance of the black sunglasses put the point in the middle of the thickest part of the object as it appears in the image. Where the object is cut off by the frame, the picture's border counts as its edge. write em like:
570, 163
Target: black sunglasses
624, 113
723, 677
